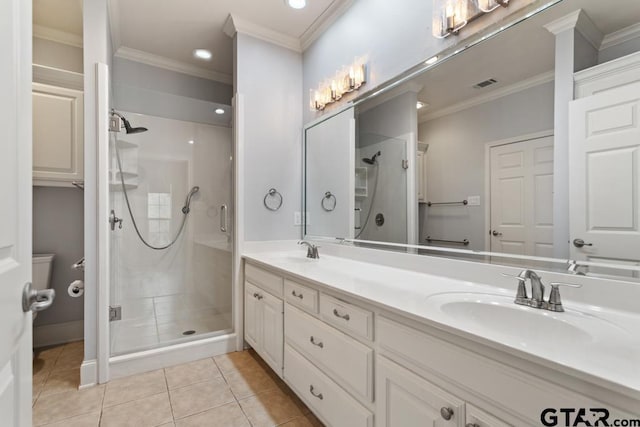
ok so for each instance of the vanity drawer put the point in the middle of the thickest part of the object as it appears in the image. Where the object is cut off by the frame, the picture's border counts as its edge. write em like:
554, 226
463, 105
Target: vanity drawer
347, 361
268, 281
347, 316
301, 296
327, 399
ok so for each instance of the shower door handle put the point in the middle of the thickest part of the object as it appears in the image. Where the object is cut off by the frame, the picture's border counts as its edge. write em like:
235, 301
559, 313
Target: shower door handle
223, 218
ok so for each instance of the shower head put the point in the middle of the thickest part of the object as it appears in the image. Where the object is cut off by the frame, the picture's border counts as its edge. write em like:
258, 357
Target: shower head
127, 126
129, 129
372, 160
187, 204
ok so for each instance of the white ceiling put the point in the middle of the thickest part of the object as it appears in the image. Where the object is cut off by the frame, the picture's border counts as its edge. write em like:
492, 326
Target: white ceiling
172, 29
525, 51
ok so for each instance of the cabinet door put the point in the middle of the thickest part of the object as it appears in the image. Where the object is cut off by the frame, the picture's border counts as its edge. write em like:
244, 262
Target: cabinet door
252, 307
58, 147
478, 418
403, 399
272, 324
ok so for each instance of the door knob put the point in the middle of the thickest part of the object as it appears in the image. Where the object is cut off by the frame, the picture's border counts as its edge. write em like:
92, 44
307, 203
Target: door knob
496, 233
34, 300
446, 413
578, 243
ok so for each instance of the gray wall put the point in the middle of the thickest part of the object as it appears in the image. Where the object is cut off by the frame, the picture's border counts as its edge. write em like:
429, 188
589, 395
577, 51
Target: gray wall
270, 79
145, 89
58, 229
455, 158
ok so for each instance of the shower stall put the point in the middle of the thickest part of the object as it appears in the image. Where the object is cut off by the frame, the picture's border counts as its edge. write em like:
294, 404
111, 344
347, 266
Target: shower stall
170, 198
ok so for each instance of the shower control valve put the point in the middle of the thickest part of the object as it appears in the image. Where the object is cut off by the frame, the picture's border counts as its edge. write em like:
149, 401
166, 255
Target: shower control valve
113, 220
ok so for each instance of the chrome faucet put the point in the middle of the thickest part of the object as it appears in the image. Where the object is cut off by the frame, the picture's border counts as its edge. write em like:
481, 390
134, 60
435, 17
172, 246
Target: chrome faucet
312, 250
537, 291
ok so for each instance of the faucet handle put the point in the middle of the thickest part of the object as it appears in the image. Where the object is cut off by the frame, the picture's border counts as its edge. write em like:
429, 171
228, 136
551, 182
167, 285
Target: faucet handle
555, 302
521, 294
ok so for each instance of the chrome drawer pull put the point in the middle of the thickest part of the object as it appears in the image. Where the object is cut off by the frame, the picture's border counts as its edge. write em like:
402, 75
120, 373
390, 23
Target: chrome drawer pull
319, 395
342, 316
257, 295
313, 341
297, 295
472, 425
446, 413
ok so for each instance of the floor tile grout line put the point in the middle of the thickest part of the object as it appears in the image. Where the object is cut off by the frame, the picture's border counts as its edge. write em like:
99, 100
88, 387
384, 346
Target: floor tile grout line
166, 383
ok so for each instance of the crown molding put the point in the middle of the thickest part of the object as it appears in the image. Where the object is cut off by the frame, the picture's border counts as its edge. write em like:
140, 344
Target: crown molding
624, 35
324, 21
564, 23
492, 96
51, 34
235, 24
171, 64
579, 21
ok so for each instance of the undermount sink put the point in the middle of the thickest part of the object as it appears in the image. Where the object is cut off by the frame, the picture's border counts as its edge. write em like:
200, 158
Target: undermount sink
500, 317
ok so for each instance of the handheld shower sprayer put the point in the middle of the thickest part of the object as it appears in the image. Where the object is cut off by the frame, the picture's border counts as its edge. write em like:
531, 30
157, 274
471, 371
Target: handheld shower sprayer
372, 160
114, 124
187, 204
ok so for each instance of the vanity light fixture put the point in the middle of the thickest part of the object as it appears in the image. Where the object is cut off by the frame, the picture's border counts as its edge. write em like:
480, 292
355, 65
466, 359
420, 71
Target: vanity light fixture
191, 141
219, 111
202, 54
296, 4
450, 16
345, 81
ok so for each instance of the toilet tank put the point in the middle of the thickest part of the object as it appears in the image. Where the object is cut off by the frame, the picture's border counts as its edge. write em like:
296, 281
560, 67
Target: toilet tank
41, 276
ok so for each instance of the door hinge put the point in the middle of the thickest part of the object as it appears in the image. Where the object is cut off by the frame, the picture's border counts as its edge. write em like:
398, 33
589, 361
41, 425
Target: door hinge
115, 313
405, 164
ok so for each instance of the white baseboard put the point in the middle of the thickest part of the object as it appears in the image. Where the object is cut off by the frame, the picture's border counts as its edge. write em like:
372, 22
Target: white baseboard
145, 361
88, 373
58, 333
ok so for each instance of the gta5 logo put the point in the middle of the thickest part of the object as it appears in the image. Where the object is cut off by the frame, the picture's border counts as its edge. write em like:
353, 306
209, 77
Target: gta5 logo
583, 417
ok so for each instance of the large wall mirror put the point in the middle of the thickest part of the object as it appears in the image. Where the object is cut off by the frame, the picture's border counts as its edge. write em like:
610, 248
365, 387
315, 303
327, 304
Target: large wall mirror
523, 148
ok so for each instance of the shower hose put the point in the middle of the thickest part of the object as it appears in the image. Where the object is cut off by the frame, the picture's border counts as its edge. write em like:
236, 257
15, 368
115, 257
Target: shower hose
133, 219
373, 199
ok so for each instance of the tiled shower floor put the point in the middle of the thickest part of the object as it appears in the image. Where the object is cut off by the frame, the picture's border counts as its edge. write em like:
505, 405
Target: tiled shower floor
157, 321
232, 390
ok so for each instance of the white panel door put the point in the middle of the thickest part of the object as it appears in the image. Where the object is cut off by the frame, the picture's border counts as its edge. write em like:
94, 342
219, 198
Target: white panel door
403, 399
522, 197
604, 180
15, 211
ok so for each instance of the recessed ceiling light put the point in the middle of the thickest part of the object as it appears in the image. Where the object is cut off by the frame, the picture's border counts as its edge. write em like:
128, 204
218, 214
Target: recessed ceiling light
421, 104
219, 111
202, 54
296, 4
431, 60
191, 141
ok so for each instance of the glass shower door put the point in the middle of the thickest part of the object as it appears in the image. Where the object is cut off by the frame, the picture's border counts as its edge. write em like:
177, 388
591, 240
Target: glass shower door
175, 171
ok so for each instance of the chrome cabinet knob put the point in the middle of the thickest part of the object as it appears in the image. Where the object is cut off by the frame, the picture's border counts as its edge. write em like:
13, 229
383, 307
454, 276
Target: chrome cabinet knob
446, 413
496, 233
579, 243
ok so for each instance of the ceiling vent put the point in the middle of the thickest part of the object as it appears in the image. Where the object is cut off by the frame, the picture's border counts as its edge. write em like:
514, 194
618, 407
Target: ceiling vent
485, 83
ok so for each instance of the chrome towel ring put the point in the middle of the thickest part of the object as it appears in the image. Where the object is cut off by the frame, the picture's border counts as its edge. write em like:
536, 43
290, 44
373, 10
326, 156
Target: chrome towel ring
276, 200
328, 202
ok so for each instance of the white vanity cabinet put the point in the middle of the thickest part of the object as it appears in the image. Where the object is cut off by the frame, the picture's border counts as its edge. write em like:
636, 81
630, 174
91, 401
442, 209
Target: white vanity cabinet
58, 147
264, 315
359, 364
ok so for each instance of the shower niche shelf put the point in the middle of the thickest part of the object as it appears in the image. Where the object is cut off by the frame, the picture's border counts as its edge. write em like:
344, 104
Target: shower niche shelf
126, 175
361, 190
117, 186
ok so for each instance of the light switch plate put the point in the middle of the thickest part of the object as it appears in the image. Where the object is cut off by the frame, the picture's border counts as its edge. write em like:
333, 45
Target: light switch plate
473, 200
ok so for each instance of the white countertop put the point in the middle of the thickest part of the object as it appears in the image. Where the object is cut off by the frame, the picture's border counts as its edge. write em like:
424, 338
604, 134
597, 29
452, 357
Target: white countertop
610, 357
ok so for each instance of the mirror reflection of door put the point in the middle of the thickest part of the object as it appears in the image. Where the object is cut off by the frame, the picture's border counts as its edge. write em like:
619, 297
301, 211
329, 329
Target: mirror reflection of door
604, 176
521, 197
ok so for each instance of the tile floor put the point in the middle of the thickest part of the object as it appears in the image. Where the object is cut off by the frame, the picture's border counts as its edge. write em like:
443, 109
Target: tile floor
235, 389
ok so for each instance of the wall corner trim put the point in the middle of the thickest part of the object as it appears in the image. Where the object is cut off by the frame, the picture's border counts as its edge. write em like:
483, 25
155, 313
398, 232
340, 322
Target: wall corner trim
324, 21
235, 24
581, 22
